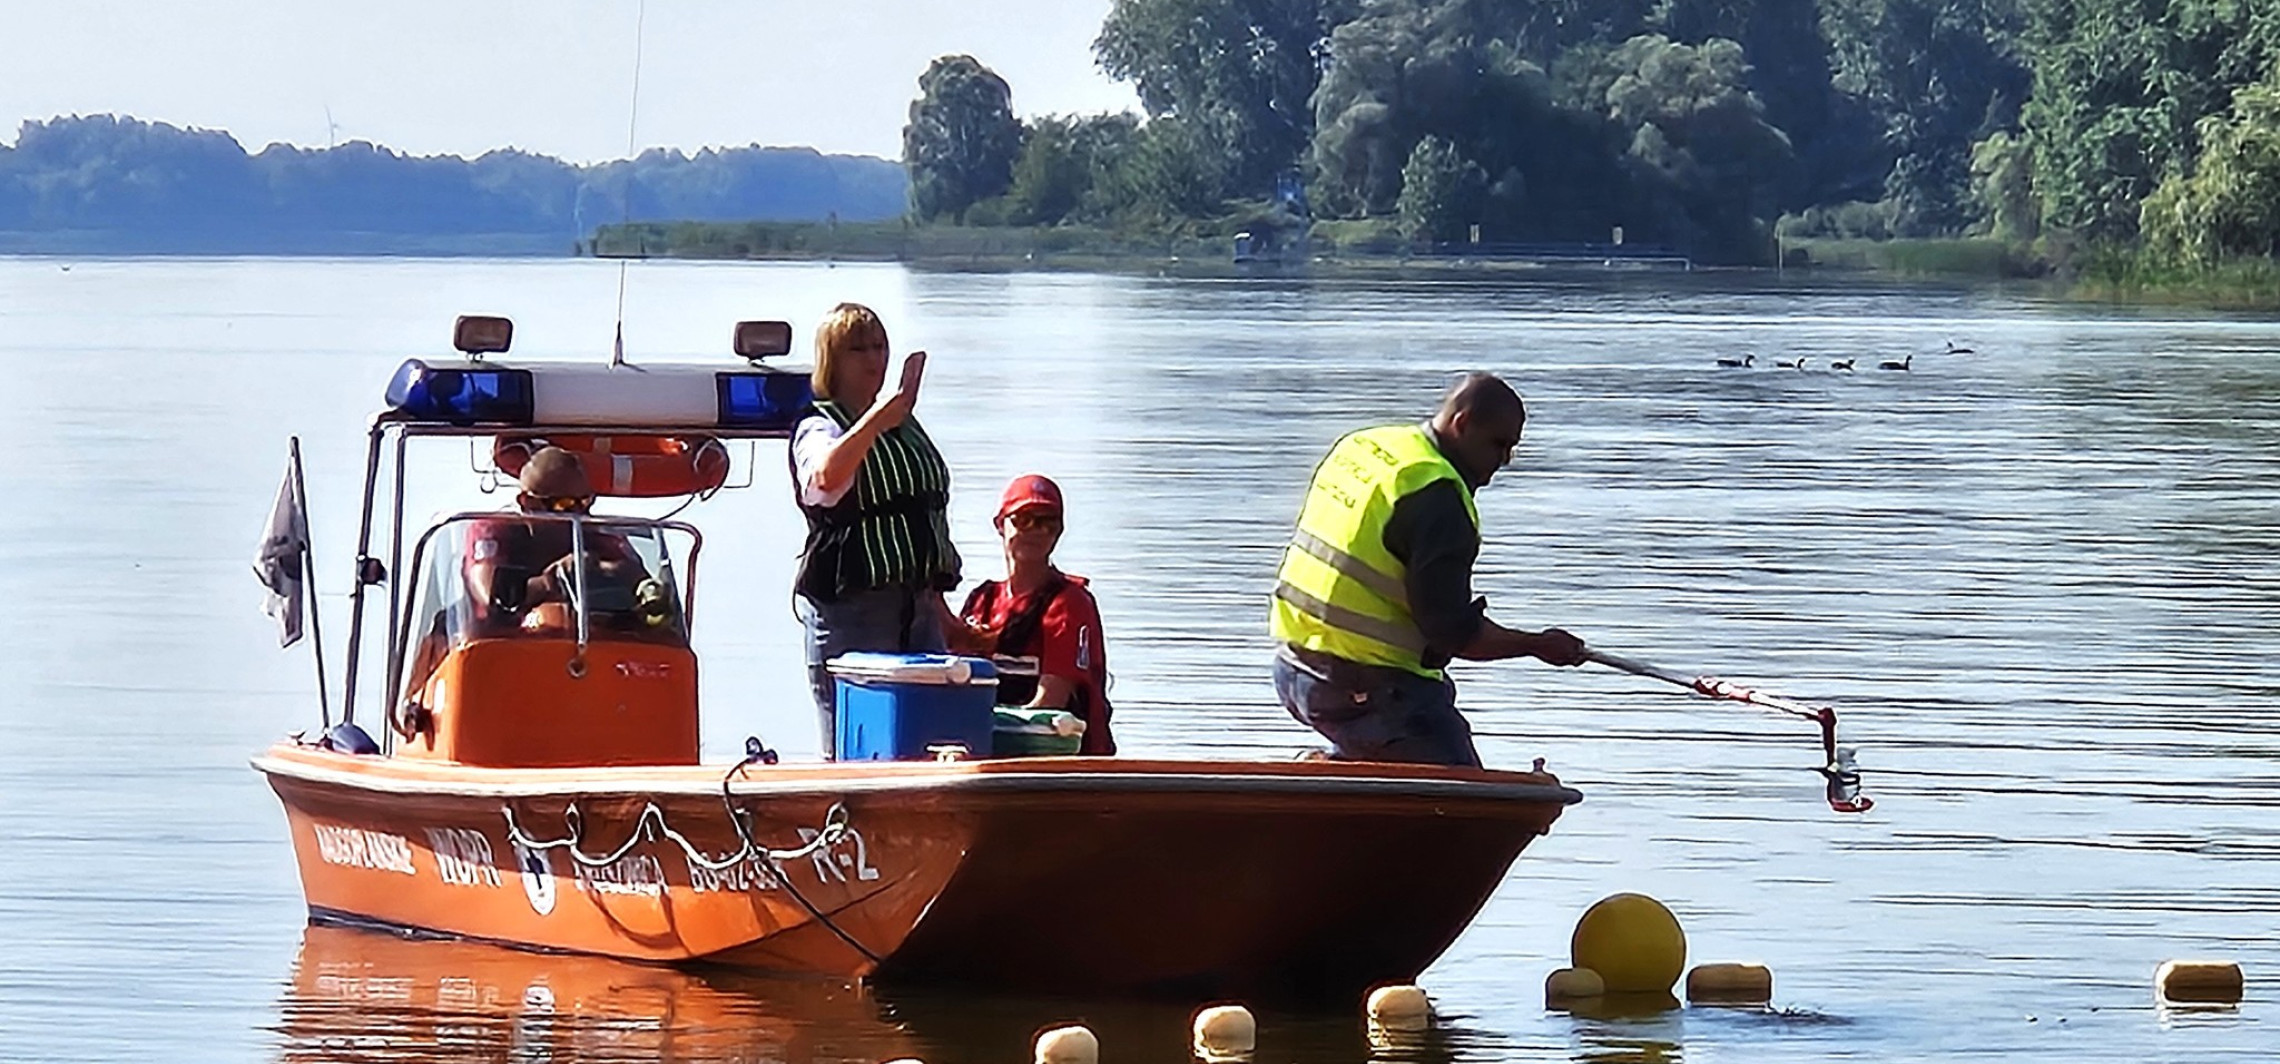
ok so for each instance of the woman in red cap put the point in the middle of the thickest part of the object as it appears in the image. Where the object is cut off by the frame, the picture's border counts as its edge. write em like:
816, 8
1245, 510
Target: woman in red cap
1042, 617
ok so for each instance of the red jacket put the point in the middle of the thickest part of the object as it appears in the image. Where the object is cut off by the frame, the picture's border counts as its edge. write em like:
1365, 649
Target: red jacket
1059, 626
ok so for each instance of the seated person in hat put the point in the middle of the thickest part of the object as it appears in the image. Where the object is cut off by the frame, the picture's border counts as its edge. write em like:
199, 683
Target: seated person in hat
1042, 619
516, 578
538, 553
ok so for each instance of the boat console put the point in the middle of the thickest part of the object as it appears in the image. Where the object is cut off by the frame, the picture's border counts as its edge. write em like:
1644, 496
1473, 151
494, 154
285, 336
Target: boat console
547, 640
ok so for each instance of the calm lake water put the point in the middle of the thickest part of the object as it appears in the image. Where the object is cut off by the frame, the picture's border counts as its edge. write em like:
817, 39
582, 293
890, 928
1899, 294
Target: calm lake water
2041, 581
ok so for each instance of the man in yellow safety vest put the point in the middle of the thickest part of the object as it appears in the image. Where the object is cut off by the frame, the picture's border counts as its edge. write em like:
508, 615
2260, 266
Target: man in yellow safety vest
1375, 593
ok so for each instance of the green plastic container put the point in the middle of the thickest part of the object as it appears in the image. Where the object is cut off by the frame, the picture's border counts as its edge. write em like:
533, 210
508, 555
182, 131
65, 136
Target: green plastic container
1035, 733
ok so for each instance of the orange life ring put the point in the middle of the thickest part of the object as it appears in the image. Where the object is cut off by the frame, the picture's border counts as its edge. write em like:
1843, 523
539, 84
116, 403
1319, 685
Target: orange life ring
633, 467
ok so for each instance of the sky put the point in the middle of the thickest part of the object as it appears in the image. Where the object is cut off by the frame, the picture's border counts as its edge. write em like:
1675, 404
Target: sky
551, 76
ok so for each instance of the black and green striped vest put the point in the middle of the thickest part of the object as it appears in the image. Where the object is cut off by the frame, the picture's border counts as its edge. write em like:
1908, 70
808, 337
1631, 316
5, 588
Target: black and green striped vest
890, 529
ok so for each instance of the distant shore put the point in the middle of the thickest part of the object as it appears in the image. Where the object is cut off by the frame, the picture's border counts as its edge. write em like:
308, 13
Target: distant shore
2250, 285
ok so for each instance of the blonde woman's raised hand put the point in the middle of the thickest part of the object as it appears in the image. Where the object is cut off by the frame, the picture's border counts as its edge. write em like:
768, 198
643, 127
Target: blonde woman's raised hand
894, 408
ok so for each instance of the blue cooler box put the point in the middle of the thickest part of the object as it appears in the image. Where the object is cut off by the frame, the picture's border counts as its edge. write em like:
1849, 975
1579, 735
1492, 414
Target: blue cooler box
893, 706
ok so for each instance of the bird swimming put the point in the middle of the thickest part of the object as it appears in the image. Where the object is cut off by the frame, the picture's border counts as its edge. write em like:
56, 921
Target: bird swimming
1901, 365
1844, 364
1954, 348
1791, 363
1737, 363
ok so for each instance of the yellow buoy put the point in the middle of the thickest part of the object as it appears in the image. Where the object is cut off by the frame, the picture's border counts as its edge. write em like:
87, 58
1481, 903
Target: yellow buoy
1569, 985
1225, 1032
1068, 1045
1633, 942
1729, 984
2199, 982
1400, 1008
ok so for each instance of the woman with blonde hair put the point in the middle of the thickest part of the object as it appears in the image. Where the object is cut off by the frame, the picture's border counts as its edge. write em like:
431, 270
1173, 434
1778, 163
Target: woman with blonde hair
874, 490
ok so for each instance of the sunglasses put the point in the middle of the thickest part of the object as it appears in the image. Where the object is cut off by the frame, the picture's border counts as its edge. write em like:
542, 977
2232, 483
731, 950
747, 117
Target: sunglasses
563, 504
1029, 519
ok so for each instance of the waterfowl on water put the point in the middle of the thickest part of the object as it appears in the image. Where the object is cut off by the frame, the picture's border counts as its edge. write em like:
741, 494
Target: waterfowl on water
1954, 348
1844, 364
1737, 363
1792, 363
1901, 365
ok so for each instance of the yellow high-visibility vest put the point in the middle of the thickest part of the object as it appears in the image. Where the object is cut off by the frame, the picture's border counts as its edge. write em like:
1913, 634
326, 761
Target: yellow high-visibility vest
1340, 591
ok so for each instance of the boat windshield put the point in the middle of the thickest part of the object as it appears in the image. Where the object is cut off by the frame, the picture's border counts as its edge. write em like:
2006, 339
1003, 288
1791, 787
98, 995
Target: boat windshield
515, 575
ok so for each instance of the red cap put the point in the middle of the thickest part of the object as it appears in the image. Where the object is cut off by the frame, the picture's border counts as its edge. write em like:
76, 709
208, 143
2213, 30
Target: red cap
1027, 492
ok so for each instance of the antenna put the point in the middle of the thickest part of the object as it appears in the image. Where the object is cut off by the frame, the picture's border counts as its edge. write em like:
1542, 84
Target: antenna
625, 200
332, 129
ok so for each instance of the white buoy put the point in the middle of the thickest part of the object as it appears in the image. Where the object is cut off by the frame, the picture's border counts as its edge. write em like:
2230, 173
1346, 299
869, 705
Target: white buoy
1568, 985
2198, 982
1400, 1008
1729, 984
1225, 1032
1068, 1045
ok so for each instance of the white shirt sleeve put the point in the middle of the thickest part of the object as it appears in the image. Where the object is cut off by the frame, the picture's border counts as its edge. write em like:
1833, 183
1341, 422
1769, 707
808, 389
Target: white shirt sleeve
811, 441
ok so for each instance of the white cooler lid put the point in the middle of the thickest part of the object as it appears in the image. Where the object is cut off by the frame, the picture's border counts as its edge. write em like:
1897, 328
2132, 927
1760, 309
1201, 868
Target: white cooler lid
943, 669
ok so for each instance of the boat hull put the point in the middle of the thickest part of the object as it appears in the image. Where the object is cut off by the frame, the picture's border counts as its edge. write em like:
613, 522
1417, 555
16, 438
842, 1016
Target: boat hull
1196, 890
429, 848
1273, 881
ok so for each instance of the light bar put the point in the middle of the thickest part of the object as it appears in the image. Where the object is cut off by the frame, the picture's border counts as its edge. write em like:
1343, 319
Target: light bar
461, 395
767, 401
752, 402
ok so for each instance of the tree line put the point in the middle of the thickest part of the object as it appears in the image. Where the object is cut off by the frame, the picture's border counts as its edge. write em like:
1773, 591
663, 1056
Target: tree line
124, 185
1707, 125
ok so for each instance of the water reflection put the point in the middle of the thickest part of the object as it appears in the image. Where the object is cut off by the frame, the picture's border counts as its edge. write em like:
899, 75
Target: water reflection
370, 996
359, 995
1627, 1029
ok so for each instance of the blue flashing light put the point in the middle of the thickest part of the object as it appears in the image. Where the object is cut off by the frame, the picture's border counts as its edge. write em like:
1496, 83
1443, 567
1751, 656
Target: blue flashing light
766, 401
461, 395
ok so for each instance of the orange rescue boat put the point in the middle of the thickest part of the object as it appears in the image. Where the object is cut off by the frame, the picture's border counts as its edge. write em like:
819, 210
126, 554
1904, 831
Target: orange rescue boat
538, 782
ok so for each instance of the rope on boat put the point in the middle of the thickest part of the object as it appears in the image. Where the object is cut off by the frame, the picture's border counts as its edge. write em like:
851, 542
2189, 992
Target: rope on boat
652, 824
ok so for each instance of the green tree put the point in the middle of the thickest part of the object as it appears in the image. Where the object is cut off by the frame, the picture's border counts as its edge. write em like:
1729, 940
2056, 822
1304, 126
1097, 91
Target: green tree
1441, 192
1838, 156
1171, 171
962, 140
2230, 204
2120, 88
1710, 172
1407, 69
1065, 165
1937, 76
2003, 187
1239, 74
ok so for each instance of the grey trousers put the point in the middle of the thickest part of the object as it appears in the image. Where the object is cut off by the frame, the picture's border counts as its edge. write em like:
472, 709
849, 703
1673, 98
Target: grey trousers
886, 620
1377, 714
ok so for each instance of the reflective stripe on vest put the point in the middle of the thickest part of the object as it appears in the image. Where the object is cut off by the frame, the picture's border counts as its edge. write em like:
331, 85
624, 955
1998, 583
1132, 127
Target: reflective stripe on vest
1340, 592
890, 529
